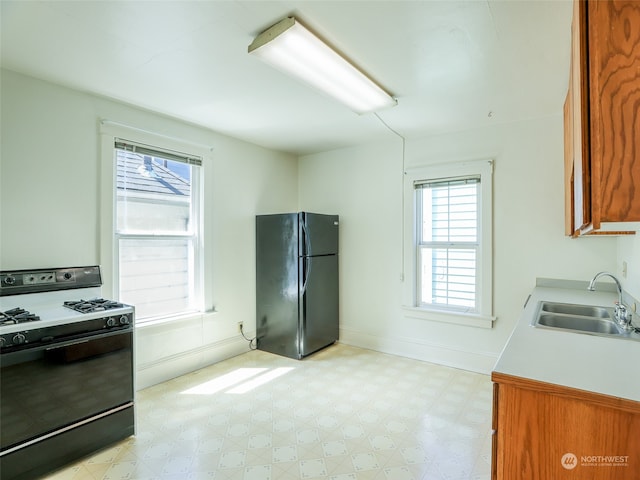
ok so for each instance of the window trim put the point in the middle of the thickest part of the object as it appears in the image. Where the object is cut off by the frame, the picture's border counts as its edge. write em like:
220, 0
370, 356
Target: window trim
483, 317
110, 132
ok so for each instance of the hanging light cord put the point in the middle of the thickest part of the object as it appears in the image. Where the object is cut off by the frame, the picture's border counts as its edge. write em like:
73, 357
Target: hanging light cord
402, 234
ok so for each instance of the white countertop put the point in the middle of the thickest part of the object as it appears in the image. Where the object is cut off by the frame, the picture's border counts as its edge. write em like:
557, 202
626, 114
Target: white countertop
610, 366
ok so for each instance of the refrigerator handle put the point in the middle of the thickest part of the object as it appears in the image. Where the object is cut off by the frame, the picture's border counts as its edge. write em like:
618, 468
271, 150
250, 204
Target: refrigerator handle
306, 269
306, 240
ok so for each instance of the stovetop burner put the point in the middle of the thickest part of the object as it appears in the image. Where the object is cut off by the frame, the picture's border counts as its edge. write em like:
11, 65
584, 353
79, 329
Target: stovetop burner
93, 305
17, 315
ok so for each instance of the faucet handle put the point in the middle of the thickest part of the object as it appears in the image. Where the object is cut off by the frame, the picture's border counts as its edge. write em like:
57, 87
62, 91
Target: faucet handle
622, 315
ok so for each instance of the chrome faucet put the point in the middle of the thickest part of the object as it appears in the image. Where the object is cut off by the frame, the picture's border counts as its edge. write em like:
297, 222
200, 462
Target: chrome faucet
621, 314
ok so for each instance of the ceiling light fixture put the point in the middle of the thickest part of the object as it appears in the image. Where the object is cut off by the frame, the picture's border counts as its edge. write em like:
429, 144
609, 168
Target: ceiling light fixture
292, 48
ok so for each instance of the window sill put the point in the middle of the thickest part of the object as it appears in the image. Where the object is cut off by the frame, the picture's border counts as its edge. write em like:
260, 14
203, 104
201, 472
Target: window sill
443, 316
172, 319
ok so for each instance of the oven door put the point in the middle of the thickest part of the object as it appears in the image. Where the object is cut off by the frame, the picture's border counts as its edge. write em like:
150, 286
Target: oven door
46, 388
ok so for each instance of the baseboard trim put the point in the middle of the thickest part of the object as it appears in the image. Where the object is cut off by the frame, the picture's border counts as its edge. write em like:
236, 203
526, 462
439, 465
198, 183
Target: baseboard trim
173, 366
479, 362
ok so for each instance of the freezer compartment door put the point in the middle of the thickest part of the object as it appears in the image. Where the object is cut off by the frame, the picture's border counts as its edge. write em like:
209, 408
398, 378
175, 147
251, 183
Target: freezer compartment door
318, 234
319, 306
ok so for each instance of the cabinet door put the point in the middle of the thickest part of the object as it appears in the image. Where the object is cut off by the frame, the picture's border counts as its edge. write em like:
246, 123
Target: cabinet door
580, 119
494, 432
539, 430
568, 164
614, 103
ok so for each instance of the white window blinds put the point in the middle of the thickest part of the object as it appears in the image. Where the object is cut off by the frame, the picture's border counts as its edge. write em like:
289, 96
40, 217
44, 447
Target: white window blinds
141, 149
448, 242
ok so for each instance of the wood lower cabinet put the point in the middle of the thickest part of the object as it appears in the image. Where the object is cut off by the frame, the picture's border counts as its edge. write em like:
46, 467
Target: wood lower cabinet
550, 432
602, 119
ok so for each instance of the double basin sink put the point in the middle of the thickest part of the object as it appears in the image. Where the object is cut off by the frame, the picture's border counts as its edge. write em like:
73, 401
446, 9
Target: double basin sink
581, 319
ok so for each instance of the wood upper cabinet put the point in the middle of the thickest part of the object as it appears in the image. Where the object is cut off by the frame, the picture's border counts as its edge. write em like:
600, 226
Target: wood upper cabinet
602, 119
550, 432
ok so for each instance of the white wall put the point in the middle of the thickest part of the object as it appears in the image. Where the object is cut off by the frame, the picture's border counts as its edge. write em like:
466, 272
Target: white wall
49, 202
49, 209
364, 186
629, 251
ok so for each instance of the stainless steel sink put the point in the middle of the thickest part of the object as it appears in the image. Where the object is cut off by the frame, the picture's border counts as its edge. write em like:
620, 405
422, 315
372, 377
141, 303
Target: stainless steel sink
580, 319
581, 310
583, 324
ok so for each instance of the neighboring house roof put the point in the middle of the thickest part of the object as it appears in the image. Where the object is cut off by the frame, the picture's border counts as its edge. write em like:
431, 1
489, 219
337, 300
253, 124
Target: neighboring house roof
143, 174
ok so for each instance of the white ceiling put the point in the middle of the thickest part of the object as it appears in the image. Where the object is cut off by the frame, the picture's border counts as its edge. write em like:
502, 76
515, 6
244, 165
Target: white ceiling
452, 65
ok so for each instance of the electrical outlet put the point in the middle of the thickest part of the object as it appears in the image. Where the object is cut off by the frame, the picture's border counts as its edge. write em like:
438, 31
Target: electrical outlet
624, 269
239, 327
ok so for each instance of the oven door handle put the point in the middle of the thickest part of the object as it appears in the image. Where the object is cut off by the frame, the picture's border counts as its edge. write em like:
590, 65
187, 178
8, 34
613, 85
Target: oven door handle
70, 344
79, 349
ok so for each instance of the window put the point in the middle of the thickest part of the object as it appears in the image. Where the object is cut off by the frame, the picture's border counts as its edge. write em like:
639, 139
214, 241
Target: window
449, 249
157, 231
447, 242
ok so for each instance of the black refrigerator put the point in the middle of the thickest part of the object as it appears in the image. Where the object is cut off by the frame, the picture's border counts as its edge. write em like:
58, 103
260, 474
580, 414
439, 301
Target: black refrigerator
296, 283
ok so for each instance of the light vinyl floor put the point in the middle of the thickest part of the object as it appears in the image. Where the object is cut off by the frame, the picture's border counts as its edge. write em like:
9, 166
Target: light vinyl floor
343, 414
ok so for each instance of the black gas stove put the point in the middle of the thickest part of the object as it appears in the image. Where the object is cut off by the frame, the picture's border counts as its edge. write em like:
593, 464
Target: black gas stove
66, 369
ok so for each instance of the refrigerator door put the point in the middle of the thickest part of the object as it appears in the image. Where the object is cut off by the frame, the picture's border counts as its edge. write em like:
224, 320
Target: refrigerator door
277, 284
318, 303
318, 234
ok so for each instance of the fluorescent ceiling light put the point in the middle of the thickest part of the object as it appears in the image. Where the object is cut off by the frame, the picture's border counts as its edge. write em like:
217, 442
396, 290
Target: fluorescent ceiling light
292, 48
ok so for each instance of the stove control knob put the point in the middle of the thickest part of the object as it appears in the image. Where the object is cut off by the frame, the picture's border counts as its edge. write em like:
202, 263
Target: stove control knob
67, 276
19, 339
10, 280
3, 342
124, 320
111, 322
